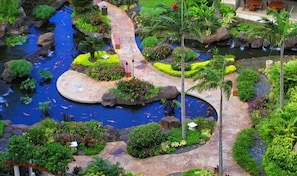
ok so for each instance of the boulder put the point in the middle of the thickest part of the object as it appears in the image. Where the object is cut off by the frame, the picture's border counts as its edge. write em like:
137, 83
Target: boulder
4, 27
256, 42
290, 43
108, 99
46, 39
111, 134
170, 122
220, 35
6, 76
168, 92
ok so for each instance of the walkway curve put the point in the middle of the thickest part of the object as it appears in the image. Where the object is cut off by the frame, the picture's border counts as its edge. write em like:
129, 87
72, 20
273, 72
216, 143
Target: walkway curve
78, 87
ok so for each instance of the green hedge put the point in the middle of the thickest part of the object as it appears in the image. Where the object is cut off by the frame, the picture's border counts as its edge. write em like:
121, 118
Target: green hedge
245, 84
241, 151
83, 59
166, 68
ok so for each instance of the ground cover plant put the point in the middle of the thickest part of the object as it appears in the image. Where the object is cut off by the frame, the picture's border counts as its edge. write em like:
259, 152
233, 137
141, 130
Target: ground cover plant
245, 84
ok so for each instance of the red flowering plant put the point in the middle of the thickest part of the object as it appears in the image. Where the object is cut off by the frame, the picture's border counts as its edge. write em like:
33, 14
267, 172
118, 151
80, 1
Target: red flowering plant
174, 6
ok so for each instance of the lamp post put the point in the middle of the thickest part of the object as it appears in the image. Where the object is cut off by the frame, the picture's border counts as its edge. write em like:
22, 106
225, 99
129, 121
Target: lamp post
133, 67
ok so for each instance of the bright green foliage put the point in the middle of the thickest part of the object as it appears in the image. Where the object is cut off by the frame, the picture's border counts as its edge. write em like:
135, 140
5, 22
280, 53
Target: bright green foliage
241, 151
280, 159
28, 85
135, 90
13, 40
198, 172
83, 59
9, 10
106, 72
2, 126
43, 12
20, 68
92, 150
145, 140
189, 54
149, 42
100, 167
19, 149
5, 169
246, 80
54, 157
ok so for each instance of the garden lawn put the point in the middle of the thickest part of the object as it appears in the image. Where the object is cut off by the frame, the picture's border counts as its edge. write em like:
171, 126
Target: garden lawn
152, 3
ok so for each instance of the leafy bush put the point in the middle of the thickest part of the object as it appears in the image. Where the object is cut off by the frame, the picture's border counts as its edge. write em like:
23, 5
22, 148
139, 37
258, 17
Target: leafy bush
135, 90
280, 159
13, 40
20, 68
83, 59
101, 167
145, 140
19, 149
45, 74
258, 109
177, 66
189, 54
81, 6
54, 157
106, 72
149, 53
43, 12
162, 51
241, 151
2, 126
149, 42
246, 80
28, 85
9, 10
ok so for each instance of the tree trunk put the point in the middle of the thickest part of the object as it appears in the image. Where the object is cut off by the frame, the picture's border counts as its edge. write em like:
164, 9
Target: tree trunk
183, 101
282, 76
221, 168
216, 8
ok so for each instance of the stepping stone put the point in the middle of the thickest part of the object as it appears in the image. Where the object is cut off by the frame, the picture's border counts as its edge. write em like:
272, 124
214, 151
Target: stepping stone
6, 135
17, 131
8, 129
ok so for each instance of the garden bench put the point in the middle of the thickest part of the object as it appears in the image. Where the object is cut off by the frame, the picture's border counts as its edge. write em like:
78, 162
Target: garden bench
116, 40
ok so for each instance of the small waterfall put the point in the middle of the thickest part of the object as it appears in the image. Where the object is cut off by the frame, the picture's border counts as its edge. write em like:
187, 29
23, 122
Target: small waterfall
241, 48
233, 43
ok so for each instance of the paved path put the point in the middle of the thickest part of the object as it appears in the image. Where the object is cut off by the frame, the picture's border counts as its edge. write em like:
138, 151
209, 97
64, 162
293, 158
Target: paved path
78, 87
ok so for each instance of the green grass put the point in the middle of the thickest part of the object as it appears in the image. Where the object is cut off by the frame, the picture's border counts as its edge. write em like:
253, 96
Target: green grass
152, 3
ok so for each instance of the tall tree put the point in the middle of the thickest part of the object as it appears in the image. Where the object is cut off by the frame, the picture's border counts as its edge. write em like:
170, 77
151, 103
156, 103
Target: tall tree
277, 30
91, 44
172, 25
210, 77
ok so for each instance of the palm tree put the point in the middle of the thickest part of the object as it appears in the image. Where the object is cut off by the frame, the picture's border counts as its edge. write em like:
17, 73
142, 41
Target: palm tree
173, 24
277, 31
91, 44
213, 77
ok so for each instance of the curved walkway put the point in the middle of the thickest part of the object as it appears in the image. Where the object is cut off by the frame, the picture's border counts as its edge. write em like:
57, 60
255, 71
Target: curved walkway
78, 87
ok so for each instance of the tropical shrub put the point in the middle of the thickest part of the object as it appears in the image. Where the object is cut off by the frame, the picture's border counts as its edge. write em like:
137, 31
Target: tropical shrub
258, 109
245, 84
43, 12
92, 150
9, 10
19, 150
54, 157
106, 72
280, 158
45, 108
189, 54
2, 126
162, 51
28, 85
83, 59
177, 66
149, 42
241, 151
20, 68
13, 40
102, 167
149, 53
145, 140
135, 90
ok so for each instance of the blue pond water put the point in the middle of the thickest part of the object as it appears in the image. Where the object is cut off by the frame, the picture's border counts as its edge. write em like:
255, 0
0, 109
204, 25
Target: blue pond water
58, 62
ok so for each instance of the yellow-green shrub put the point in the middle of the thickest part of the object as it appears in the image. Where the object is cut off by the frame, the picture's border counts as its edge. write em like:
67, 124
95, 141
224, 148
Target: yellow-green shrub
83, 59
